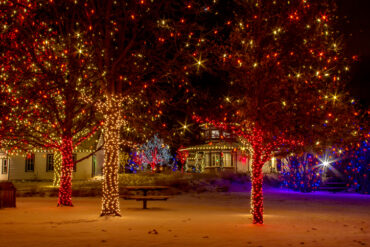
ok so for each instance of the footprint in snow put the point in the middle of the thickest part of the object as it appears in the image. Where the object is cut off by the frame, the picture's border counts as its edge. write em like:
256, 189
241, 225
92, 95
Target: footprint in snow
154, 231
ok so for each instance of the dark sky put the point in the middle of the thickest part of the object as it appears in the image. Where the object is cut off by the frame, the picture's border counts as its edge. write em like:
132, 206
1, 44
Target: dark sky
357, 32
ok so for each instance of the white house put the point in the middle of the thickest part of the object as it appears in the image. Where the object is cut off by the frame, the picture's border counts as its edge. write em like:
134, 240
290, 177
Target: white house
39, 165
221, 152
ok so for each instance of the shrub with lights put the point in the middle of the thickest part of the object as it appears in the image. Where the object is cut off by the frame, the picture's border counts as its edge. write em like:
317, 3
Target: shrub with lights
354, 166
181, 157
350, 165
154, 153
301, 173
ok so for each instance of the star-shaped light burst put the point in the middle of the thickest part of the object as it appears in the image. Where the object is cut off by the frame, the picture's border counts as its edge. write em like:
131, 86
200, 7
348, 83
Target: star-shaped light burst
199, 62
184, 127
326, 162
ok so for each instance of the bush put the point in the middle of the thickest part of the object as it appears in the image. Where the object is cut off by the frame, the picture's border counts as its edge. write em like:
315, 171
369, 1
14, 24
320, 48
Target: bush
178, 183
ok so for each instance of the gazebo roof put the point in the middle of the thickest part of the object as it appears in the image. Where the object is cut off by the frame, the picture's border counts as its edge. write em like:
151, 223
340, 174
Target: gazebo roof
216, 146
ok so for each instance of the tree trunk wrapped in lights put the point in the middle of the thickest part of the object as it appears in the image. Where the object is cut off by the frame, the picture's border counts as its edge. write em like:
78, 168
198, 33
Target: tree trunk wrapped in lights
65, 188
113, 121
57, 168
257, 193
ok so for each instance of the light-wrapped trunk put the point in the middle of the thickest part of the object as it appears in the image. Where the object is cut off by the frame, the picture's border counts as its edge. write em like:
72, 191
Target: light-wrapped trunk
65, 188
110, 200
257, 180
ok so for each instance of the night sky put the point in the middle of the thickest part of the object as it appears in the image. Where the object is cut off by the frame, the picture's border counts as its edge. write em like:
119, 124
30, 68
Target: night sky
356, 30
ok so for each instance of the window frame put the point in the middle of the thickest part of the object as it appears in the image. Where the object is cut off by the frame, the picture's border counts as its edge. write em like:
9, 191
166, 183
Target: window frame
6, 163
48, 164
30, 163
214, 157
215, 134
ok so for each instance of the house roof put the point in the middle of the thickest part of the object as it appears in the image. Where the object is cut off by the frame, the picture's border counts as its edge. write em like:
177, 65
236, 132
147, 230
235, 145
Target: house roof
87, 146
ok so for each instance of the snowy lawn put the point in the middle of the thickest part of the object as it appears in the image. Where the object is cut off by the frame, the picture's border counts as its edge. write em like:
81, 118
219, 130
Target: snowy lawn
210, 219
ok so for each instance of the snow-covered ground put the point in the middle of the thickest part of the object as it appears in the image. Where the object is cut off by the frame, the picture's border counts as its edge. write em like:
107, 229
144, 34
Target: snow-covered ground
212, 219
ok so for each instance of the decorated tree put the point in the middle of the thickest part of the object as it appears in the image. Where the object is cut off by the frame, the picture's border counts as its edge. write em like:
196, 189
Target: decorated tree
122, 53
42, 66
142, 50
302, 173
285, 73
181, 156
354, 165
154, 153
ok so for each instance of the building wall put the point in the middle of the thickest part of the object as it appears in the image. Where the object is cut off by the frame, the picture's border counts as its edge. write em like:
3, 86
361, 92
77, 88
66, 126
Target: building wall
17, 168
99, 163
3, 174
84, 168
245, 165
242, 162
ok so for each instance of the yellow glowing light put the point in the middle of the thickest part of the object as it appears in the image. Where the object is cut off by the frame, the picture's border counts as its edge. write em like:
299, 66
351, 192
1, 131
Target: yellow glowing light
199, 63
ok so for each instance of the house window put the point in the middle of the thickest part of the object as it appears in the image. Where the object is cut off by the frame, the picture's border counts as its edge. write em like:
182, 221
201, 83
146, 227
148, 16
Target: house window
215, 134
50, 162
74, 158
206, 134
227, 135
30, 162
4, 165
215, 159
227, 159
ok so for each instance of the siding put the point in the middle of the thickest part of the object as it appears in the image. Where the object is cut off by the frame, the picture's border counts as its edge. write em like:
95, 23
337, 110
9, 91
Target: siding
83, 168
99, 163
17, 168
242, 163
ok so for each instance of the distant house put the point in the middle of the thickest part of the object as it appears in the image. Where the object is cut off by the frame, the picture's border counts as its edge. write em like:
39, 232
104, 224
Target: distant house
38, 164
221, 151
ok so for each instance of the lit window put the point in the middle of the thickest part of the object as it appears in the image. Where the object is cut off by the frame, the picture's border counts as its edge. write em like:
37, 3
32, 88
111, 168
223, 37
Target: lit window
215, 159
215, 134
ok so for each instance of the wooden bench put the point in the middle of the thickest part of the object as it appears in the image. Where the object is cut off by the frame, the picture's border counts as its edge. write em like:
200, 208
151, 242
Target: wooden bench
7, 195
146, 198
334, 186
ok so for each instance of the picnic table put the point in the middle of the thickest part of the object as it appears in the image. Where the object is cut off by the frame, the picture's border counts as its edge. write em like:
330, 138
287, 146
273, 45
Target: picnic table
145, 197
